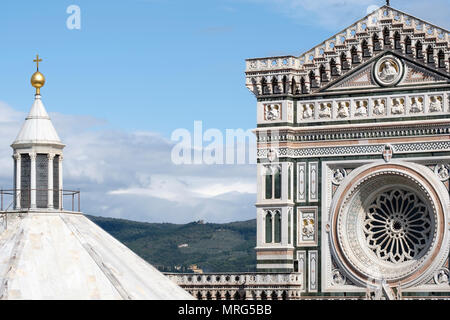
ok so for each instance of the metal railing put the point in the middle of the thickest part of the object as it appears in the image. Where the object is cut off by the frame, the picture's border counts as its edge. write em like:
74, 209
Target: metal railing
4, 213
24, 195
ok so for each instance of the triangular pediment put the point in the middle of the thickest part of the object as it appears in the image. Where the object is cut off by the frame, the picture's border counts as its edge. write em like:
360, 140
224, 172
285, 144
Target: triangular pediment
342, 62
413, 73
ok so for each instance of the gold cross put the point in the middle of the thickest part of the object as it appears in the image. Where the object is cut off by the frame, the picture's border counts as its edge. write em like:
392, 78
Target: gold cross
37, 60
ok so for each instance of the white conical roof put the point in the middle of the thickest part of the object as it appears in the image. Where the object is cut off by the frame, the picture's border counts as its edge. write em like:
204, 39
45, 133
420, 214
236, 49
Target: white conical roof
37, 128
66, 256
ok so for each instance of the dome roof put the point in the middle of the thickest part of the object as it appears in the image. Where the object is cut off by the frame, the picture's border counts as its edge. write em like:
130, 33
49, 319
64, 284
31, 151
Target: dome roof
66, 256
37, 128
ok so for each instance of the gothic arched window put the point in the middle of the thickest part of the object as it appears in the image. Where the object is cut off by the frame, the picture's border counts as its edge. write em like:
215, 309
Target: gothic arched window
344, 63
312, 79
274, 85
272, 182
323, 74
277, 227
441, 59
376, 43
333, 68
293, 86
289, 227
285, 88
365, 49
397, 44
386, 35
303, 85
264, 86
268, 227
408, 47
289, 183
419, 53
354, 54
277, 183
430, 58
268, 183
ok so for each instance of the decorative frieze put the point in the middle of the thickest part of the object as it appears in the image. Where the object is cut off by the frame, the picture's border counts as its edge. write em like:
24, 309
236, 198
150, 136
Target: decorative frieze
358, 132
369, 149
411, 105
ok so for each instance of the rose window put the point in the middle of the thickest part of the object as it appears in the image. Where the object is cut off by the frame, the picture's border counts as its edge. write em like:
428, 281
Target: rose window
397, 226
388, 223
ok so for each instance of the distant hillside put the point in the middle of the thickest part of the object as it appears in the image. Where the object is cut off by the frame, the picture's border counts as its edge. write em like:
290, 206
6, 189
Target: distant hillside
212, 247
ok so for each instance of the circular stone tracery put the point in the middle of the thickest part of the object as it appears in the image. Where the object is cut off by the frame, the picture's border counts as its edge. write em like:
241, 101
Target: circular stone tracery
397, 226
401, 243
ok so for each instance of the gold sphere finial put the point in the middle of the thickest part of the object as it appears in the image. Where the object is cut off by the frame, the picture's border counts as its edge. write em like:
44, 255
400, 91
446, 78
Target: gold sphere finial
37, 79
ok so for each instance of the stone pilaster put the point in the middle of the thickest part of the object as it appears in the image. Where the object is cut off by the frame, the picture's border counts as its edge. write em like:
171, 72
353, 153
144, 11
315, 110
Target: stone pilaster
50, 158
18, 160
60, 182
33, 180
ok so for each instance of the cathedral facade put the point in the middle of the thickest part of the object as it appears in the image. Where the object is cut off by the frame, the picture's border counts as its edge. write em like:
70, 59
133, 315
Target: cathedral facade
353, 160
353, 168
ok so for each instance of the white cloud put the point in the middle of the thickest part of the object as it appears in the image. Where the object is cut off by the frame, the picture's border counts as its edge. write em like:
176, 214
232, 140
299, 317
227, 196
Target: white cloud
188, 189
130, 175
337, 14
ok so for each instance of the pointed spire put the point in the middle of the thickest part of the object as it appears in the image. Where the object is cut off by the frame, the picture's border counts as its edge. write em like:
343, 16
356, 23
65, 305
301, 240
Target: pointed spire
38, 127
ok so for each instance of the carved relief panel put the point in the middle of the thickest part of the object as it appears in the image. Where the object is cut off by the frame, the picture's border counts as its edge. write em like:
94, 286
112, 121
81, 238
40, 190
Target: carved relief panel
307, 226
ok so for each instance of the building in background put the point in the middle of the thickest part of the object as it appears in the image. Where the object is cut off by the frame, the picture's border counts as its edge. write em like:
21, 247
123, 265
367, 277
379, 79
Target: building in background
353, 168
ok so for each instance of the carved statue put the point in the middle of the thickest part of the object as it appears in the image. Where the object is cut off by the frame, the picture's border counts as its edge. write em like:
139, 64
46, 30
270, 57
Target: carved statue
343, 109
379, 107
416, 105
361, 108
388, 72
442, 172
272, 112
436, 104
398, 107
308, 111
338, 175
308, 227
442, 277
325, 110
338, 278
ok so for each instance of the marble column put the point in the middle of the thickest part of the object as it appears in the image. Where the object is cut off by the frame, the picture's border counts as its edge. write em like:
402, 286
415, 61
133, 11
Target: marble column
60, 182
50, 158
33, 180
18, 177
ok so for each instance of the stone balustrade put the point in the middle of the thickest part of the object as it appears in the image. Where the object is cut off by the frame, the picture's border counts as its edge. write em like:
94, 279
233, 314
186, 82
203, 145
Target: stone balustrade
241, 286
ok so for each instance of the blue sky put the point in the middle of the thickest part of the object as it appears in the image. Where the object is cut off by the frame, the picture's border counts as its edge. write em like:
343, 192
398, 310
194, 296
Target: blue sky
143, 68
